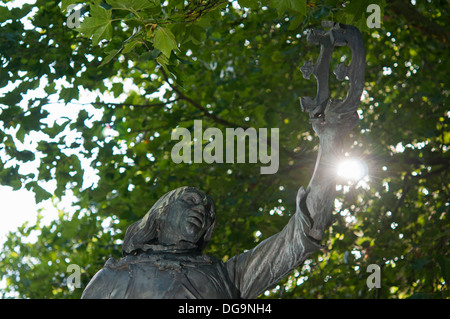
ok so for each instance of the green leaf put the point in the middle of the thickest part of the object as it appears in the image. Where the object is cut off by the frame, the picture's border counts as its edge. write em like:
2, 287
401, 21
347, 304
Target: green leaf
99, 12
131, 4
162, 60
165, 41
130, 46
5, 13
252, 4
110, 55
98, 25
290, 5
299, 6
69, 94
66, 3
197, 34
295, 23
40, 193
117, 89
55, 129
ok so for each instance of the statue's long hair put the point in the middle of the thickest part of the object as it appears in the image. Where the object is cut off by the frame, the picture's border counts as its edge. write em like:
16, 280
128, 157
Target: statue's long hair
144, 232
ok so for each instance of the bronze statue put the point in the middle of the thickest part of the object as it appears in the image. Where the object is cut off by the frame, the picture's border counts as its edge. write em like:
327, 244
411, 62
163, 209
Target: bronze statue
163, 251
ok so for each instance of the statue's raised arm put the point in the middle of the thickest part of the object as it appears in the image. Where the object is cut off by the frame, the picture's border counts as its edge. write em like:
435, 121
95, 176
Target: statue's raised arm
162, 252
258, 269
332, 120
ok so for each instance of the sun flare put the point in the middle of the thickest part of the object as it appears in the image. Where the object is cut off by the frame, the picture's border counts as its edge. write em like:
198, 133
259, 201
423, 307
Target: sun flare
352, 169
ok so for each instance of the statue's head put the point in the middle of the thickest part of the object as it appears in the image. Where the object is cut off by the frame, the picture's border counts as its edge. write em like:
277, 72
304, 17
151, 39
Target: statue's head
181, 220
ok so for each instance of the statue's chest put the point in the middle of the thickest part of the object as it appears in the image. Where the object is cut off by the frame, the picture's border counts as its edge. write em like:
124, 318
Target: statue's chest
180, 279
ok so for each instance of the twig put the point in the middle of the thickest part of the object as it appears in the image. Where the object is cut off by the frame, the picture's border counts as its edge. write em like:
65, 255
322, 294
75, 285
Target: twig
197, 105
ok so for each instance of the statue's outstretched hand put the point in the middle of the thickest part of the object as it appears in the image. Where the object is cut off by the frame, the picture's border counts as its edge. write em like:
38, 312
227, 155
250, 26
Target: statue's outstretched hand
332, 124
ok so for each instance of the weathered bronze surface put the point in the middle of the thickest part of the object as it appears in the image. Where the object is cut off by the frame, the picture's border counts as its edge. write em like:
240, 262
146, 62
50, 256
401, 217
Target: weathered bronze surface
162, 252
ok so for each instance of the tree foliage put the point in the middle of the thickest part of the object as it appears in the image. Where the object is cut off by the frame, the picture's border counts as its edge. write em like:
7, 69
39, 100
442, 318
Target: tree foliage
230, 64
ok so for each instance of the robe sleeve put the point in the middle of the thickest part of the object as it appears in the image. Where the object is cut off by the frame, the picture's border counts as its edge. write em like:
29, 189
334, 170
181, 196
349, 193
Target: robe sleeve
256, 270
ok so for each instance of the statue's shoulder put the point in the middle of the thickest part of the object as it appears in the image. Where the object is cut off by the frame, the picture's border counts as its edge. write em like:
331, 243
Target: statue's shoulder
111, 262
121, 264
109, 282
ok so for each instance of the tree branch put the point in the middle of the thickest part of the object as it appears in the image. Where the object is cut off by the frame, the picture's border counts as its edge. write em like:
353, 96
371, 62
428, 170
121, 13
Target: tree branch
137, 105
126, 104
197, 105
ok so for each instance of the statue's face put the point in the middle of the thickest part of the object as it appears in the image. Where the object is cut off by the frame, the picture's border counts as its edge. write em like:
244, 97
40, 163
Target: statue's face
187, 220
